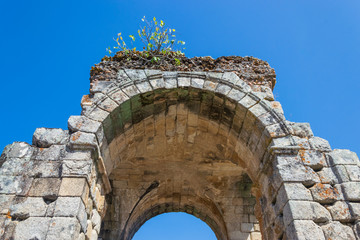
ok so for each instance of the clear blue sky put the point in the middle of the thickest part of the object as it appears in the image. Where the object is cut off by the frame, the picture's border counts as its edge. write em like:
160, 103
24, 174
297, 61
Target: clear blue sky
48, 47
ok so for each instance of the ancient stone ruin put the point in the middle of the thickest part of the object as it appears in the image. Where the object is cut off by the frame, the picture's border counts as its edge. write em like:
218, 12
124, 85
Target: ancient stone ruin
214, 144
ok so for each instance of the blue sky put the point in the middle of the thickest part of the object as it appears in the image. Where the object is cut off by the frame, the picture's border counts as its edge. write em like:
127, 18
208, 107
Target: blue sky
48, 47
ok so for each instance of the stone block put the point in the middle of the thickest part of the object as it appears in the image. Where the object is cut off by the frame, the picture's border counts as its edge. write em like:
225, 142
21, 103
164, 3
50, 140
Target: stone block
32, 228
355, 210
45, 187
223, 89
16, 166
157, 83
94, 235
96, 220
76, 168
356, 229
340, 211
353, 172
319, 144
343, 157
77, 154
74, 187
5, 202
45, 137
82, 140
291, 191
15, 185
341, 173
24, 208
303, 210
16, 150
325, 193
302, 130
71, 207
52, 153
144, 87
130, 91
135, 74
327, 176
100, 86
312, 158
295, 171
45, 169
95, 113
197, 82
351, 191
118, 96
236, 94
336, 230
83, 124
63, 228
304, 230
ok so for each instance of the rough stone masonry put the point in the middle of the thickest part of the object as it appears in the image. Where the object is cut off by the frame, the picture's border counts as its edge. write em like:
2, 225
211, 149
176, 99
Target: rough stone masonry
212, 144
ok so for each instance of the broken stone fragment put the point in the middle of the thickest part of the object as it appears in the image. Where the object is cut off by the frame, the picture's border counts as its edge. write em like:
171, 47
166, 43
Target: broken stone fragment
45, 137
302, 130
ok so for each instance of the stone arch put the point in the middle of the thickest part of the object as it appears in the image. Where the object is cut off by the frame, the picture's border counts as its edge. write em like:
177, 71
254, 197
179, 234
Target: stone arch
299, 183
248, 122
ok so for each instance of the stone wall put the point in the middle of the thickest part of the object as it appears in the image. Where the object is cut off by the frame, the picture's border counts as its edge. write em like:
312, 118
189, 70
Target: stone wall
205, 143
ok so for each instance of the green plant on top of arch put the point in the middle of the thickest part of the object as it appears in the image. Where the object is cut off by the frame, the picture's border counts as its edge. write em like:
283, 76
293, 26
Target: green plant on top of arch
159, 44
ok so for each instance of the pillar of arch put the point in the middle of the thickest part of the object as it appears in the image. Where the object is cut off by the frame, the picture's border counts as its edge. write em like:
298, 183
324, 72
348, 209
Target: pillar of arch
204, 143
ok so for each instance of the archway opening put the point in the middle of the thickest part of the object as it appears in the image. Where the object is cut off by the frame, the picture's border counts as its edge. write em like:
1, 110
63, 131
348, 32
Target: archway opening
176, 226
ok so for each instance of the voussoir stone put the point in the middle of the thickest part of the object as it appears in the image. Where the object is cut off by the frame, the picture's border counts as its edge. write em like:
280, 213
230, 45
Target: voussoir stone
336, 230
45, 137
343, 156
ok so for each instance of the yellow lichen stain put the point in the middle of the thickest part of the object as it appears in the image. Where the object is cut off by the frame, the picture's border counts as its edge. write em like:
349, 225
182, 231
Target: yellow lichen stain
8, 215
75, 136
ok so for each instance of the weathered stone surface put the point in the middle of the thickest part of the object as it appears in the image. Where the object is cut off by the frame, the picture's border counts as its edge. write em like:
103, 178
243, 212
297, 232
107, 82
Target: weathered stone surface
45, 137
45, 187
343, 156
83, 124
353, 172
303, 210
32, 228
16, 150
312, 158
304, 230
5, 202
74, 187
340, 211
63, 228
71, 207
16, 166
45, 169
76, 168
319, 144
94, 235
99, 86
351, 191
82, 140
28, 207
327, 176
53, 153
290, 169
96, 220
355, 210
291, 191
14, 185
336, 230
302, 130
325, 193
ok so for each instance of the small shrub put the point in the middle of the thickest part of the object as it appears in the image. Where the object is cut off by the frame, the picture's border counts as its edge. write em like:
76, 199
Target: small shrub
158, 42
